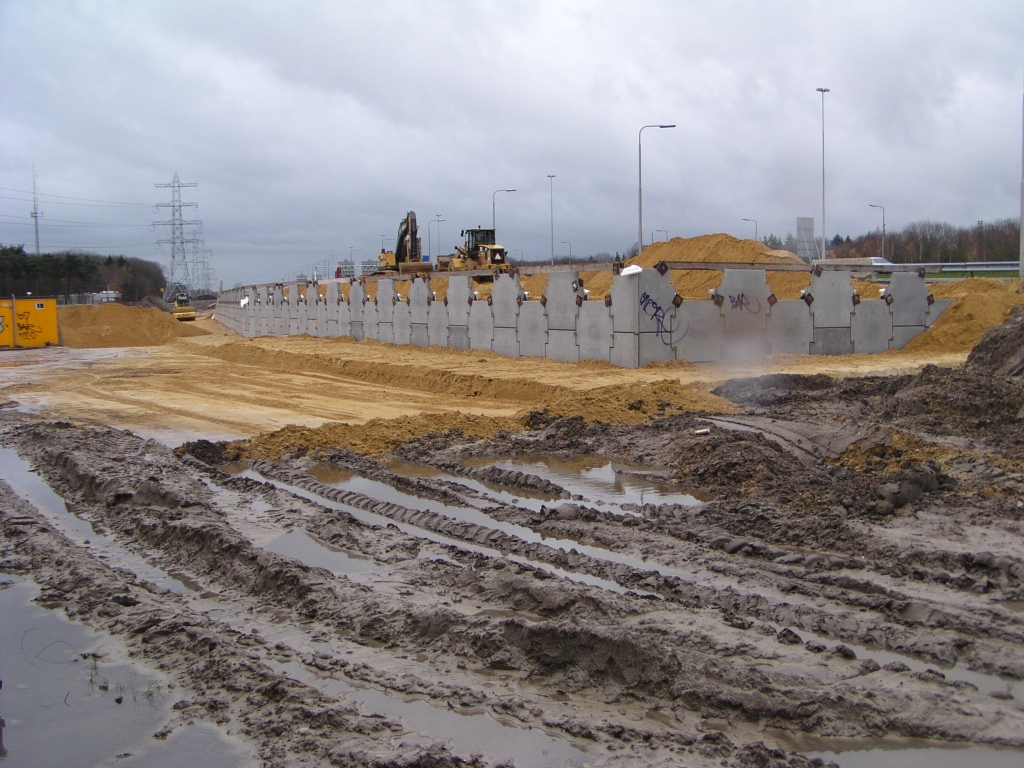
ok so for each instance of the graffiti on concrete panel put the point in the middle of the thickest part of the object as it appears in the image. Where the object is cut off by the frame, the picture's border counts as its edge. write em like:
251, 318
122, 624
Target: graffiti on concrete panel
656, 312
742, 303
27, 330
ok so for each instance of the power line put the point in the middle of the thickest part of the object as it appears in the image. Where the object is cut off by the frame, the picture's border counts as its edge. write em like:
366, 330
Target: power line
83, 205
67, 197
63, 223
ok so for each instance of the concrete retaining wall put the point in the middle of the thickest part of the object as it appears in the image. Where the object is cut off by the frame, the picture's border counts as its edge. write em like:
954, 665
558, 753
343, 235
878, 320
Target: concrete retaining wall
641, 321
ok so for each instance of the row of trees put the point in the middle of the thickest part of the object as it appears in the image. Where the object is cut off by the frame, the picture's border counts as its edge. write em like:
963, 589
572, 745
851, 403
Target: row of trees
926, 242
63, 274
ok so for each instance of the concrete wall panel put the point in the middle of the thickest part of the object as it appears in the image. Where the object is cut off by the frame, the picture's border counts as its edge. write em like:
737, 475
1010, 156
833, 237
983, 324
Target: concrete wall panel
344, 320
420, 336
458, 336
832, 341
745, 299
562, 346
506, 342
370, 320
402, 323
481, 326
437, 323
910, 299
357, 330
460, 291
386, 333
937, 309
699, 333
902, 334
386, 298
651, 347
533, 329
625, 308
790, 328
419, 300
505, 296
594, 331
356, 300
833, 300
871, 327
625, 350
561, 293
656, 308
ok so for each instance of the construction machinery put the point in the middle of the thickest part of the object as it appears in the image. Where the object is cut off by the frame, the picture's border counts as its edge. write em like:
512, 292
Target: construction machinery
183, 309
408, 254
480, 251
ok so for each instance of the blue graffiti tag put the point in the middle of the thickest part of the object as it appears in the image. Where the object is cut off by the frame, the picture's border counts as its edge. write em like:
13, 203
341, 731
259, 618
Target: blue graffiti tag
655, 312
741, 303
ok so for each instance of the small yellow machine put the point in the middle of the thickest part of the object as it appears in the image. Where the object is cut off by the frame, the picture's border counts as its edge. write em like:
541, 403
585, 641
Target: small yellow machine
183, 309
479, 252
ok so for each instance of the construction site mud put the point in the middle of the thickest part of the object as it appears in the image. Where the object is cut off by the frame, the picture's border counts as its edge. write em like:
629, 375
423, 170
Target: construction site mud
790, 563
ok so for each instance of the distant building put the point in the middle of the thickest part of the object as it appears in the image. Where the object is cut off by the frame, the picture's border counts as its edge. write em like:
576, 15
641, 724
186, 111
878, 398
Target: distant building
369, 266
806, 247
345, 269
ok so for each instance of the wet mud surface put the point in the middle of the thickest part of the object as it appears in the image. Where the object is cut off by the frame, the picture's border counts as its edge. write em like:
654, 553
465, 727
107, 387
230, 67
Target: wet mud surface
833, 574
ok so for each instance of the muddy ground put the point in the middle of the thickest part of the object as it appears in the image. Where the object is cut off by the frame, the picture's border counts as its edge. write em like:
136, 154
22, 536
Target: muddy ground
831, 564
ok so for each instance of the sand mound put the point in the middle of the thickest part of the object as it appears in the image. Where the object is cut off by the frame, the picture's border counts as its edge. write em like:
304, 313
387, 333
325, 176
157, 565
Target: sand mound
980, 304
115, 325
1001, 350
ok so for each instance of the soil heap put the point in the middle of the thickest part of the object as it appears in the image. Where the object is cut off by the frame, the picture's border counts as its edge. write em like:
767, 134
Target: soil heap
979, 304
115, 325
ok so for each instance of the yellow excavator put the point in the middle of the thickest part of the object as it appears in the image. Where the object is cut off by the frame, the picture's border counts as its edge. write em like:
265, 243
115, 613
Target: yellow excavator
183, 309
479, 251
408, 254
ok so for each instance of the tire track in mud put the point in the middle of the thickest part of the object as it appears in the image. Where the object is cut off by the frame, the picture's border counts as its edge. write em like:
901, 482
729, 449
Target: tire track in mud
141, 491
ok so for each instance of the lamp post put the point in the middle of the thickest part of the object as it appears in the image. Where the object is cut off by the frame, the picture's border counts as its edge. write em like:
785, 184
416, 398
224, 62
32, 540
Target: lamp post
824, 237
382, 239
657, 231
640, 185
566, 242
436, 220
493, 217
755, 226
551, 179
872, 205
520, 252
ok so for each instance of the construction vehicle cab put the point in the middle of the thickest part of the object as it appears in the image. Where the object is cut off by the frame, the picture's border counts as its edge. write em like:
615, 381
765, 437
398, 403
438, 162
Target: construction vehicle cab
183, 309
480, 251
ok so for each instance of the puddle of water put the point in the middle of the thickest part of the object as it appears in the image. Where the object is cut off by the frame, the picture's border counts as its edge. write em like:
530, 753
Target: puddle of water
466, 733
597, 479
27, 484
172, 438
315, 553
54, 711
925, 757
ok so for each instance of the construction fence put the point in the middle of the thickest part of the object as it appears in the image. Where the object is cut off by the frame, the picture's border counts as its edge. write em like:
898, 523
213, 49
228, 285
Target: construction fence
641, 320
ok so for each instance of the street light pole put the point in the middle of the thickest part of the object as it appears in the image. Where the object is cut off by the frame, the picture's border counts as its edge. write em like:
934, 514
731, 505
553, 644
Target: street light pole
566, 242
657, 231
872, 205
824, 236
640, 184
551, 179
755, 226
493, 217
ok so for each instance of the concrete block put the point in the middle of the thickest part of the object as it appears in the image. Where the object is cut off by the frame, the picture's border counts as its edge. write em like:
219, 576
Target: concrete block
656, 308
344, 318
745, 299
505, 295
419, 301
279, 320
458, 336
481, 326
745, 344
832, 341
909, 299
460, 291
560, 296
402, 324
533, 329
506, 342
937, 309
386, 332
833, 301
562, 346
625, 308
651, 347
321, 319
420, 335
357, 330
356, 300
625, 349
370, 320
902, 334
292, 327
333, 332
593, 331
386, 299
871, 327
790, 328
437, 323
699, 333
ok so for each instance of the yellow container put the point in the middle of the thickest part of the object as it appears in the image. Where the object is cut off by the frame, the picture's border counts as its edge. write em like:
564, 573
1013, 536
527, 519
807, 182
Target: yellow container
36, 322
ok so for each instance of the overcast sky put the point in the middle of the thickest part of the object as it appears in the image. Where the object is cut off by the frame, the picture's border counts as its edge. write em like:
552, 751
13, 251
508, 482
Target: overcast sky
312, 127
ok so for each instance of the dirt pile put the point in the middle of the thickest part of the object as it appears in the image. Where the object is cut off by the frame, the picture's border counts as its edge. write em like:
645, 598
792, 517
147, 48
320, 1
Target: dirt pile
1001, 351
979, 304
115, 325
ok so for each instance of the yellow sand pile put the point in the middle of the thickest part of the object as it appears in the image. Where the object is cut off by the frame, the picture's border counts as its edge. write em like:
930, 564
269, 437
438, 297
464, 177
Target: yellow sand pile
979, 304
115, 325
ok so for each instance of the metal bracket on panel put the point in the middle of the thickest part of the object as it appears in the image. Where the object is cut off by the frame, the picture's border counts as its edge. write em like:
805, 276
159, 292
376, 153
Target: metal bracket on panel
717, 298
446, 301
543, 300
808, 298
579, 301
817, 271
888, 299
677, 300
519, 300
616, 267
772, 301
856, 298
608, 300
662, 267
931, 299
490, 301
920, 273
